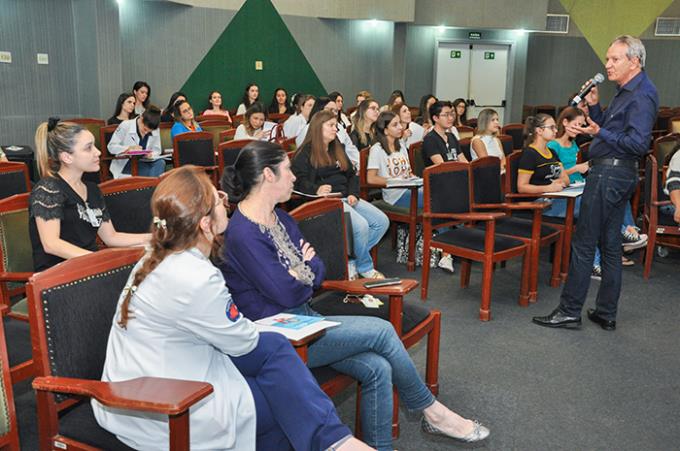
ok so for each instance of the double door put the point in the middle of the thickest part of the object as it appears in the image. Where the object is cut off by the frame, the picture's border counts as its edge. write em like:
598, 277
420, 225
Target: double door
475, 72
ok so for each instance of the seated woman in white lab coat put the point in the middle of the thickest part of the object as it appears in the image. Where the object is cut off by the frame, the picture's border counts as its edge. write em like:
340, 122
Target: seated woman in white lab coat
176, 319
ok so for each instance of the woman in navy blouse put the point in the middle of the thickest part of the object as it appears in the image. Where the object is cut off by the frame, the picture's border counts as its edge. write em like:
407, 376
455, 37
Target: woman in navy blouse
270, 268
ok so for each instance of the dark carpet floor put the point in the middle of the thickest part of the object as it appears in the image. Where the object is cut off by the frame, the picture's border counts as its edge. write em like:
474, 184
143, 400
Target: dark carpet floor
536, 388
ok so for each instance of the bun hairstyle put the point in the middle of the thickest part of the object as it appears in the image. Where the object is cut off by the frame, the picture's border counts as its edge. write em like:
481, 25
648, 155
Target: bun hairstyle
531, 124
51, 139
245, 174
183, 197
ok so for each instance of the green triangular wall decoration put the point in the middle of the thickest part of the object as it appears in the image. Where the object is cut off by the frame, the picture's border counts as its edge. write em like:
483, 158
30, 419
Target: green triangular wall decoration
256, 33
601, 21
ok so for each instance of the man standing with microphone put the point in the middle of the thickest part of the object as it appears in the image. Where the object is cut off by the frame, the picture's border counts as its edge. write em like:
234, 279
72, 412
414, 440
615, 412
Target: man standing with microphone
622, 135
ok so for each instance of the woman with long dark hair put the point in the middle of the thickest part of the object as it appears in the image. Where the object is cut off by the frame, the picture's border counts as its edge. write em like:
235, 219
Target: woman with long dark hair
321, 166
215, 107
280, 103
168, 114
270, 268
125, 109
343, 120
142, 92
250, 95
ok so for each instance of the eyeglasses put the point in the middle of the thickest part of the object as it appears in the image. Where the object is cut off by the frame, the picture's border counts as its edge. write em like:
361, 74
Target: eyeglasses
551, 127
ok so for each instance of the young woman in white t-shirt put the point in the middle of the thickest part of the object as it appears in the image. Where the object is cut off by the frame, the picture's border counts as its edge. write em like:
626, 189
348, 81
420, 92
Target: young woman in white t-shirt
303, 107
388, 159
485, 142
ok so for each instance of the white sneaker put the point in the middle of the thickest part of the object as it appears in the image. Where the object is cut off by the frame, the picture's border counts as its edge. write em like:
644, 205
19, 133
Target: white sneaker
446, 263
633, 240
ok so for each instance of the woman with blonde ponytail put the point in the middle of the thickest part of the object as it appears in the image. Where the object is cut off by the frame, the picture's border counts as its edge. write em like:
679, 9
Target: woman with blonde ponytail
176, 319
66, 213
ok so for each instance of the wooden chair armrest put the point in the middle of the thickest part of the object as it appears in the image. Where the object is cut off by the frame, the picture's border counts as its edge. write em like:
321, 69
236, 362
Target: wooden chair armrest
523, 195
515, 206
15, 276
357, 287
145, 394
491, 216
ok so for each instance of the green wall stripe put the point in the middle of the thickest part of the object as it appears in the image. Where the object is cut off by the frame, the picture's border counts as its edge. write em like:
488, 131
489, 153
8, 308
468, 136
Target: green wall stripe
256, 33
601, 21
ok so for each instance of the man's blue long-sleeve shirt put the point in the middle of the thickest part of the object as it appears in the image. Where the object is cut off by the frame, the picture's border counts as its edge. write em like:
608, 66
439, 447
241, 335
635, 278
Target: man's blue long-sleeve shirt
626, 125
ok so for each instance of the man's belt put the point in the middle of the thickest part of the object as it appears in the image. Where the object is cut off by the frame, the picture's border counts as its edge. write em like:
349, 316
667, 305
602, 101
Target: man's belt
633, 164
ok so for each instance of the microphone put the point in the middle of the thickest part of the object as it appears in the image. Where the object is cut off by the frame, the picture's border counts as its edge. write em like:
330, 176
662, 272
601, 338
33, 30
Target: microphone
596, 80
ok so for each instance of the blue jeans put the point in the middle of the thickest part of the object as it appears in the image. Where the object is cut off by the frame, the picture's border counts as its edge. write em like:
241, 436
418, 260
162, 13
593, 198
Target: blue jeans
369, 224
368, 349
558, 209
608, 190
146, 168
405, 199
627, 221
292, 411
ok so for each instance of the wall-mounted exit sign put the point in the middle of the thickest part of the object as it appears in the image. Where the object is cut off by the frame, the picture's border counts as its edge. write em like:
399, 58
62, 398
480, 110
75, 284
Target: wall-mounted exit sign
489, 55
455, 54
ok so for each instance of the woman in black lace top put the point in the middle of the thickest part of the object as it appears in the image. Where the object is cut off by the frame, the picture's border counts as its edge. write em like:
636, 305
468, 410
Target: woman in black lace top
67, 213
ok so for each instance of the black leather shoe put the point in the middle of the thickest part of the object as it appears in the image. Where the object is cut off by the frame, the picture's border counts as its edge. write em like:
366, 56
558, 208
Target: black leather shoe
558, 319
605, 324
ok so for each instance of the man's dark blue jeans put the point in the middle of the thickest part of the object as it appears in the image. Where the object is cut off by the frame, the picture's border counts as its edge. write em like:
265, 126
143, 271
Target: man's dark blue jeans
607, 190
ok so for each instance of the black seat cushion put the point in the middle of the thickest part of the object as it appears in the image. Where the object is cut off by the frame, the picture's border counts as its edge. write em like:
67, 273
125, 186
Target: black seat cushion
331, 304
548, 219
19, 347
79, 423
468, 238
517, 227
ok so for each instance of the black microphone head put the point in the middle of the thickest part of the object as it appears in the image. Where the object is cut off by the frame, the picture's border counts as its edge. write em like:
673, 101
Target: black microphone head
598, 78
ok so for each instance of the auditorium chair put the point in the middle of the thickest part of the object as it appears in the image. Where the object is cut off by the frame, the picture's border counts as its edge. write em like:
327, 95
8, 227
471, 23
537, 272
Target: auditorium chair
164, 129
442, 211
93, 125
507, 143
465, 148
14, 179
517, 133
128, 201
106, 133
415, 157
196, 148
215, 127
465, 132
227, 135
72, 308
546, 109
16, 267
278, 118
9, 434
661, 228
412, 322
674, 124
664, 146
486, 194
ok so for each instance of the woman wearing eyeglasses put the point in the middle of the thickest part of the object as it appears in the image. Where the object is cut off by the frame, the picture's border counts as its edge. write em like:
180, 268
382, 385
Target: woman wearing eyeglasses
540, 170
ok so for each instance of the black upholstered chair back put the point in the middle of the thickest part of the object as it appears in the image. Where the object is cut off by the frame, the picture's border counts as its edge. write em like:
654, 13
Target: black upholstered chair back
507, 143
324, 231
447, 188
198, 152
517, 133
415, 153
465, 148
130, 210
512, 169
78, 316
486, 180
650, 167
13, 179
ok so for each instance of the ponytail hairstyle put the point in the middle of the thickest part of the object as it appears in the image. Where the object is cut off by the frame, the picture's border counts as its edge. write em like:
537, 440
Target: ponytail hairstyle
183, 197
531, 124
324, 155
51, 139
569, 114
245, 174
379, 128
359, 121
